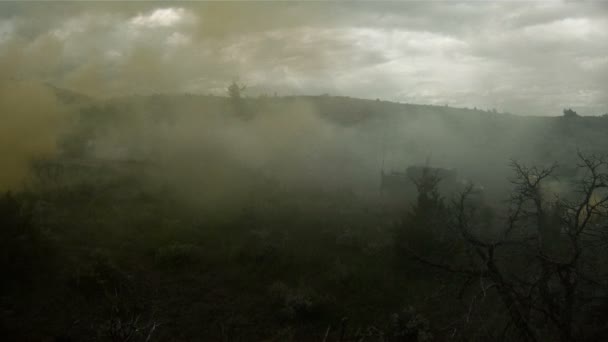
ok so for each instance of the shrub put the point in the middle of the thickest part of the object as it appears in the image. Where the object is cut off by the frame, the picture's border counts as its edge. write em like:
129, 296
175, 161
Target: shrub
23, 250
408, 325
178, 255
297, 303
96, 273
569, 113
126, 322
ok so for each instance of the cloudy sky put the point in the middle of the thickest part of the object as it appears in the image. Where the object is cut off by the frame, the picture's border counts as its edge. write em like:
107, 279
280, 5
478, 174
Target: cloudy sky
529, 58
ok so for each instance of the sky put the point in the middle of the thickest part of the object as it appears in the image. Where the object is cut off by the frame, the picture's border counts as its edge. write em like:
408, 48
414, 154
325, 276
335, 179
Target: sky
527, 58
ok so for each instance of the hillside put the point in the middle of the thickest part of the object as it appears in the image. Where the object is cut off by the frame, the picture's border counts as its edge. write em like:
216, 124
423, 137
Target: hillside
195, 217
340, 140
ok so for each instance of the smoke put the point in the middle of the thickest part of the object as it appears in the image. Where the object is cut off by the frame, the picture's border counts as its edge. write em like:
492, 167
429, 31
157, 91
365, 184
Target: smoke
202, 149
106, 51
110, 49
32, 119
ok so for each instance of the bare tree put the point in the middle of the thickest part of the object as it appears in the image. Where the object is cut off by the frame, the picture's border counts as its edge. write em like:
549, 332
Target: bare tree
545, 260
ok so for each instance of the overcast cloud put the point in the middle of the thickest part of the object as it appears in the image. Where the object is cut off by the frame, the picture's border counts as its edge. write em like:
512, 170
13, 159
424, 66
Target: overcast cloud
529, 58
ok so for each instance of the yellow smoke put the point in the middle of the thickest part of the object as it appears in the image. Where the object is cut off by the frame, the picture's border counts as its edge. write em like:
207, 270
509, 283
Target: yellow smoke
30, 121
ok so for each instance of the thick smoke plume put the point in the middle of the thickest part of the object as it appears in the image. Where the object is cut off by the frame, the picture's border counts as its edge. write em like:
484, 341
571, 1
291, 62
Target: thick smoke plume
31, 119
